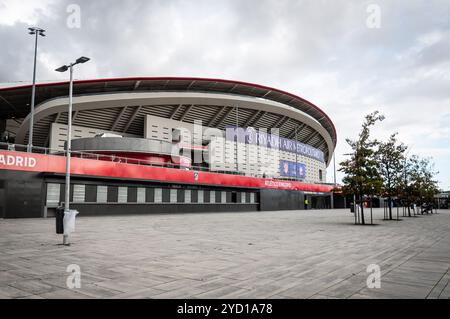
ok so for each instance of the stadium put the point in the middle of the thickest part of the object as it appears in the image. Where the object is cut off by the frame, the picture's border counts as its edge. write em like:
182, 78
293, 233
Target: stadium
160, 145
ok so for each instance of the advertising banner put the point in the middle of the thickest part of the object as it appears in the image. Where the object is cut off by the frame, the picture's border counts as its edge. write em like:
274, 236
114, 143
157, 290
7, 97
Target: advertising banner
292, 169
250, 135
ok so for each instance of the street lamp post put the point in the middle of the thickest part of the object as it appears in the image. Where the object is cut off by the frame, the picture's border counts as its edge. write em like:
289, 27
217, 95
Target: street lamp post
64, 68
237, 139
36, 32
405, 160
334, 166
296, 155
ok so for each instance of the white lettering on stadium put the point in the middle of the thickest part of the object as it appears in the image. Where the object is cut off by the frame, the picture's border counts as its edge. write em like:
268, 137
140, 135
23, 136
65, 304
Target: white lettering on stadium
17, 161
277, 184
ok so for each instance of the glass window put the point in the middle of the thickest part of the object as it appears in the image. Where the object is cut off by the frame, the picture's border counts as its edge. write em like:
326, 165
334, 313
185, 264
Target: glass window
78, 193
252, 198
200, 197
158, 195
173, 195
141, 195
212, 196
102, 194
243, 197
187, 196
224, 197
122, 195
53, 193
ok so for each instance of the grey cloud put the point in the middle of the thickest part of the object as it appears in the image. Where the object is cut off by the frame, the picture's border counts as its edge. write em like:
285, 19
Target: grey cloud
321, 50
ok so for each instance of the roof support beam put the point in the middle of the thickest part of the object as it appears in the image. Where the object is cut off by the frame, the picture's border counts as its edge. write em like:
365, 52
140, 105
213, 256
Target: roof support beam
310, 137
256, 120
7, 102
234, 86
216, 116
116, 122
291, 100
167, 83
135, 113
176, 111
228, 112
318, 143
252, 117
57, 118
281, 121
284, 122
186, 112
74, 116
190, 85
267, 93
296, 130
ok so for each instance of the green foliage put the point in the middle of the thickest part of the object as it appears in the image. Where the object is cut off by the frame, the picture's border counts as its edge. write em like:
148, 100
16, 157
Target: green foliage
390, 158
381, 168
419, 186
361, 169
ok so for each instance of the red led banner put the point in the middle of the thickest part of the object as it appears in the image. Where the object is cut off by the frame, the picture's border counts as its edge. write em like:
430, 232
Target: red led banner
19, 161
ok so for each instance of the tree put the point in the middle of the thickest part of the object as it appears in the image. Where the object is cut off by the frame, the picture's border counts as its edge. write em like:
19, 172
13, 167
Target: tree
428, 186
390, 158
420, 187
361, 169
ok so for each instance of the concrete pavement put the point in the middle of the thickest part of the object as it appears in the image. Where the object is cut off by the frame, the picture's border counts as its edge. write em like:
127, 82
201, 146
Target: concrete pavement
287, 254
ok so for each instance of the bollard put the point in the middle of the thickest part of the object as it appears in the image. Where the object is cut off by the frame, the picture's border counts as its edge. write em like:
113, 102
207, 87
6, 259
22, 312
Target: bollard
59, 220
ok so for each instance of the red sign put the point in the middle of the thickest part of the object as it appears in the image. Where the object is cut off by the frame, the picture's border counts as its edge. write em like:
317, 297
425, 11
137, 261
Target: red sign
13, 160
19, 161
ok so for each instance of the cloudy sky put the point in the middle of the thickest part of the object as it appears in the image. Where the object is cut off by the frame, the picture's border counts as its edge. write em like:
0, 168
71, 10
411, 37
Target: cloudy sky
348, 57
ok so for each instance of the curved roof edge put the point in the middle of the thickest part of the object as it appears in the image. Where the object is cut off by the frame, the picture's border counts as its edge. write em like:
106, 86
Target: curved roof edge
168, 78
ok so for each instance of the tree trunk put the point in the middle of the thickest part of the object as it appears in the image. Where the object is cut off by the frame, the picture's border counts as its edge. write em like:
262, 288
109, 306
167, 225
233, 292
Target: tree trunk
362, 211
409, 209
390, 207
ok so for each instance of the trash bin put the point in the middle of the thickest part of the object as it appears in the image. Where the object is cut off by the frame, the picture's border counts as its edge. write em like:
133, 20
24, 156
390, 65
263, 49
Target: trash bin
60, 220
69, 221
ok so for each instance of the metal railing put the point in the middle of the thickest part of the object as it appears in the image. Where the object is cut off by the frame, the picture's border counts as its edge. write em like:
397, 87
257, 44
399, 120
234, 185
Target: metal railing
94, 156
130, 160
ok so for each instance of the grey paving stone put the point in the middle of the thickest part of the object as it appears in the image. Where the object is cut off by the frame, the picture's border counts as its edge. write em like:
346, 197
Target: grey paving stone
445, 293
33, 286
64, 294
139, 294
396, 290
288, 254
9, 292
223, 292
96, 291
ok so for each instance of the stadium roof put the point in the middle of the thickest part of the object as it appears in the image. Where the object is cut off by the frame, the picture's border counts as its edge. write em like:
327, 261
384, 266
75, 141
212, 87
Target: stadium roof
15, 99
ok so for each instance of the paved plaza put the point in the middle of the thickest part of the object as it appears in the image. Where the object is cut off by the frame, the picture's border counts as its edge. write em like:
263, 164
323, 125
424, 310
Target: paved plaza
287, 254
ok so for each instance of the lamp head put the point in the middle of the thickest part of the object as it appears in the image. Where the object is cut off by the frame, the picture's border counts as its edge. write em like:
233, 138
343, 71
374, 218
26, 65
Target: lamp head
82, 59
63, 68
39, 31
